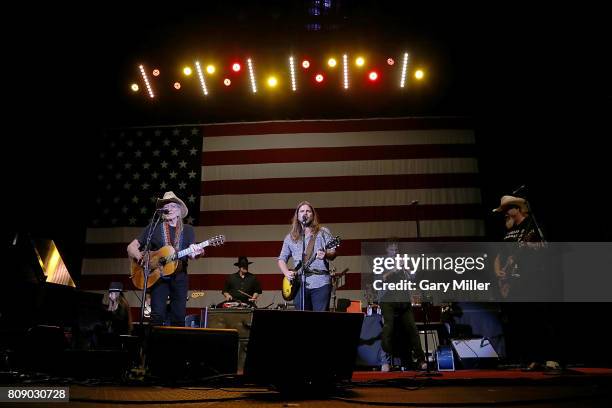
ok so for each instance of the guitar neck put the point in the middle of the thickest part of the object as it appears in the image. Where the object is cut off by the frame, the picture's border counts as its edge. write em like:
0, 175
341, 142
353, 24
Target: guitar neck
189, 251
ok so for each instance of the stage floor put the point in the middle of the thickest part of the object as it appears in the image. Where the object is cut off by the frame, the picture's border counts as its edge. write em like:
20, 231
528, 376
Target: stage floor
585, 387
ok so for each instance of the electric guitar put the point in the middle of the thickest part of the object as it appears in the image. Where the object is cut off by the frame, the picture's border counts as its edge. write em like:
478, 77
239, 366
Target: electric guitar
505, 274
165, 261
291, 286
509, 274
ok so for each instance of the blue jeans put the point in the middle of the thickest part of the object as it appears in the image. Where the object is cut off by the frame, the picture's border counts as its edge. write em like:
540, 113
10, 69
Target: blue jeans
174, 287
316, 299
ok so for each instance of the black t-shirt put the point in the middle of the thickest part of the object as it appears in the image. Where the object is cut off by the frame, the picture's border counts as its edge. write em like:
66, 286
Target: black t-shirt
523, 232
249, 284
157, 240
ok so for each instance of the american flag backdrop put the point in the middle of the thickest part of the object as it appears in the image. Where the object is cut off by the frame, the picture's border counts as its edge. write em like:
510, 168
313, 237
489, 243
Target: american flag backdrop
244, 180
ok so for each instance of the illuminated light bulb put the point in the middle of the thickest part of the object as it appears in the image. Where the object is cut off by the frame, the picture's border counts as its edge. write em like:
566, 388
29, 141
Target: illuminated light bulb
272, 81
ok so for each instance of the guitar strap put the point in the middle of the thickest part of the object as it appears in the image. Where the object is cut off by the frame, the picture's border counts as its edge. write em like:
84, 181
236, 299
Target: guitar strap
310, 247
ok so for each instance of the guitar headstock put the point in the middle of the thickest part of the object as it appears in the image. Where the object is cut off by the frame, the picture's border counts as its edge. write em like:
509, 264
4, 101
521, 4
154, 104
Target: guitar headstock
333, 243
216, 240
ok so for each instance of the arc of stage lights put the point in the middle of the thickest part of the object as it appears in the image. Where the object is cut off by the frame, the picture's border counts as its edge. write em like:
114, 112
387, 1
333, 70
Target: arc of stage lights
373, 76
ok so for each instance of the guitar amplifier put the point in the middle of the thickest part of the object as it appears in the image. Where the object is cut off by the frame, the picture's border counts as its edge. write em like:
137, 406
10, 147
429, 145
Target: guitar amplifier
239, 319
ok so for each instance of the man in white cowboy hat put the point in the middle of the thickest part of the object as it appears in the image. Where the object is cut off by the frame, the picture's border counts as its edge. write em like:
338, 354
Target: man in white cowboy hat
518, 222
171, 231
242, 285
518, 277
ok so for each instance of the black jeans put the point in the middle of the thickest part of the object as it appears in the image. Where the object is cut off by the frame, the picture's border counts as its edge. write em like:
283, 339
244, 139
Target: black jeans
399, 323
174, 287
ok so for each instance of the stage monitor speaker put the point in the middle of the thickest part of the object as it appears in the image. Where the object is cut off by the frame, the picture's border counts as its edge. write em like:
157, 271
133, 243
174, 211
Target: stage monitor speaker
299, 350
176, 353
475, 353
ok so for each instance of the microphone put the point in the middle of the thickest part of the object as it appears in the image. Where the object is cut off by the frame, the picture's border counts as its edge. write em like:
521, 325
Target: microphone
519, 189
304, 219
162, 211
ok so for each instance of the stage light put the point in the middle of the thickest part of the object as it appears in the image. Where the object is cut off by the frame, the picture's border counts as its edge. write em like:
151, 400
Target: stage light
210, 69
177, 85
319, 78
390, 61
272, 81
360, 61
292, 70
345, 62
236, 67
252, 75
305, 64
156, 72
331, 62
404, 66
146, 81
419, 74
135, 87
187, 71
373, 76
227, 82
201, 76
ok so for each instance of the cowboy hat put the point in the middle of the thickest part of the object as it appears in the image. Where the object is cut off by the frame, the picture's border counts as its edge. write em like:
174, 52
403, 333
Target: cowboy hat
170, 197
115, 287
243, 261
508, 201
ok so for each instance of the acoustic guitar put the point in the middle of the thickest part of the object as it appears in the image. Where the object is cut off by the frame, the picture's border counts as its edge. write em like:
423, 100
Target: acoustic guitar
291, 286
165, 261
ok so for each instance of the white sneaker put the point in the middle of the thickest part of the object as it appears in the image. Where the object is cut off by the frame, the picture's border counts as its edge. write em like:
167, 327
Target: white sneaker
385, 368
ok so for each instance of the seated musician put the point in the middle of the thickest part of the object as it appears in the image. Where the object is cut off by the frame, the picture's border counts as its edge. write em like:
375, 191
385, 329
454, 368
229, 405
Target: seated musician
242, 286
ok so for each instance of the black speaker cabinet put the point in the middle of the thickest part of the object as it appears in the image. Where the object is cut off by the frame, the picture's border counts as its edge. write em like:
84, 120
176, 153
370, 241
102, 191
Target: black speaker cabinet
239, 319
292, 349
190, 353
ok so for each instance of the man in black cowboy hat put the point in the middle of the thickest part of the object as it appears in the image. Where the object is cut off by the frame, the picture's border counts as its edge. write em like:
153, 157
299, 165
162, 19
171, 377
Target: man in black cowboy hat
242, 286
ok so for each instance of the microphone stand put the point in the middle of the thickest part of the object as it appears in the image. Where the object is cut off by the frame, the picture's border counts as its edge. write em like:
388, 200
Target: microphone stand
303, 274
535, 222
424, 304
146, 259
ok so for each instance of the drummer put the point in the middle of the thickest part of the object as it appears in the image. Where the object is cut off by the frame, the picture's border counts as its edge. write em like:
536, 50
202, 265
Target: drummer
242, 286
